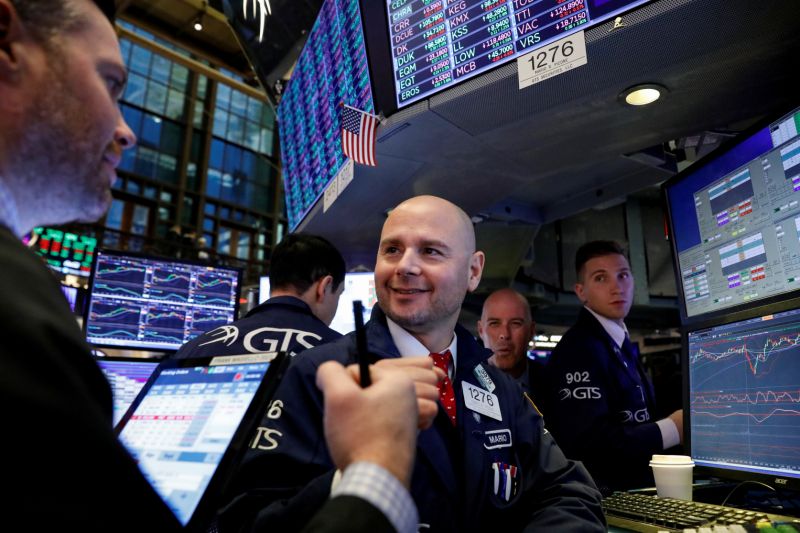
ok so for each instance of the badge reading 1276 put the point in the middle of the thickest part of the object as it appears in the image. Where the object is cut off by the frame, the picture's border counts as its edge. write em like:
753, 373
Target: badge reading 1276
481, 401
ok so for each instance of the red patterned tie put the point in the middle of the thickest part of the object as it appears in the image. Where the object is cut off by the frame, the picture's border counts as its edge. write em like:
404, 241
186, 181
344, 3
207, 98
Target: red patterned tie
446, 394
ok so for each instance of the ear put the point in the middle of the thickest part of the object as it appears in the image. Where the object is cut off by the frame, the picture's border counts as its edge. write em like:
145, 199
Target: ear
475, 270
579, 292
10, 31
479, 326
322, 286
12, 39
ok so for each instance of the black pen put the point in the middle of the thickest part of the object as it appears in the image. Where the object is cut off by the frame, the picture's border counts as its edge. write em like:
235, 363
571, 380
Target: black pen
361, 343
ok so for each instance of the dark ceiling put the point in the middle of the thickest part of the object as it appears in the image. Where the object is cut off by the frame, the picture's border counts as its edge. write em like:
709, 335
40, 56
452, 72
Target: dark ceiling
519, 158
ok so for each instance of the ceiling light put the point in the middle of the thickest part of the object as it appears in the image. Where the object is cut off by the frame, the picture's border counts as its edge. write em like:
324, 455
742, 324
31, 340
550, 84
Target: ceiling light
642, 94
197, 24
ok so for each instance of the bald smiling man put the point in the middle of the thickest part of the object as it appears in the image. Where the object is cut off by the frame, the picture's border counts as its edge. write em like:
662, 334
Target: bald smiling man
486, 463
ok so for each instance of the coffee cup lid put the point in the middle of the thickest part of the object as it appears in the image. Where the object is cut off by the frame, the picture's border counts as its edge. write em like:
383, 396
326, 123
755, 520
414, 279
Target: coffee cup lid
671, 460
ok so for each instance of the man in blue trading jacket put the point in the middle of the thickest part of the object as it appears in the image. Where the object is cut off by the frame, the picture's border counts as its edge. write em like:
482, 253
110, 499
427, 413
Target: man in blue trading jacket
598, 401
306, 279
487, 464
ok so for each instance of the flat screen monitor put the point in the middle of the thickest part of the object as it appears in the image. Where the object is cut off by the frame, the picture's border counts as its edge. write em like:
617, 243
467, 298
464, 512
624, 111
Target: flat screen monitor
126, 376
148, 303
735, 221
437, 44
64, 252
357, 286
743, 398
332, 69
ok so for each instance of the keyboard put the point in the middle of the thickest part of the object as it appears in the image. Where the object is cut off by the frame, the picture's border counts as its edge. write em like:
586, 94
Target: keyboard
651, 514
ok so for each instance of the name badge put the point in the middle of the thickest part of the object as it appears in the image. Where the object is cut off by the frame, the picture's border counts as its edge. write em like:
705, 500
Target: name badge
483, 377
481, 401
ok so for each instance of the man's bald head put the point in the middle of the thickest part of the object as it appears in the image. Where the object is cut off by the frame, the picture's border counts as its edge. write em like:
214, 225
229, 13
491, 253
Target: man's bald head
509, 297
425, 266
459, 221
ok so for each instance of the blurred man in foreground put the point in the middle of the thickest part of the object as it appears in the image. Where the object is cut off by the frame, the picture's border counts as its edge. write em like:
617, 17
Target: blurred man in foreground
61, 138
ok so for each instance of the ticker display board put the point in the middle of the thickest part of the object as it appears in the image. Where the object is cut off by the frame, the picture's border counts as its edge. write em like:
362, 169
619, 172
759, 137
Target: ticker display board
331, 70
439, 43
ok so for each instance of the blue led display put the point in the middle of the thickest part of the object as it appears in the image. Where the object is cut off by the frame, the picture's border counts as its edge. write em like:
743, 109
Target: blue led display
332, 69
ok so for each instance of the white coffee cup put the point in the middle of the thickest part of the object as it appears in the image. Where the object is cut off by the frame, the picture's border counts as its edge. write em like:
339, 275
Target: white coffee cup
673, 475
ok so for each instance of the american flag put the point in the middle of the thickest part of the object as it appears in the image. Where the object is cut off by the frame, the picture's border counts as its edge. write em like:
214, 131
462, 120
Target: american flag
358, 135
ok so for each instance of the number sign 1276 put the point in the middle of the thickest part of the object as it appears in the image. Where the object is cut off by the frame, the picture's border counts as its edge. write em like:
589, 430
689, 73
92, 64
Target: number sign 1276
552, 59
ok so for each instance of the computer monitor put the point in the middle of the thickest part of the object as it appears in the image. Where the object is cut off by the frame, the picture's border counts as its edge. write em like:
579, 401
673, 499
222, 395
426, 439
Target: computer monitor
126, 376
734, 221
436, 45
743, 405
65, 252
149, 303
357, 286
331, 70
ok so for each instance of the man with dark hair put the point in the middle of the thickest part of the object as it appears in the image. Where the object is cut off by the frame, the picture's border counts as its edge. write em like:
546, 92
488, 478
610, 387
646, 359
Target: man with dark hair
306, 279
506, 327
301, 260
598, 400
487, 463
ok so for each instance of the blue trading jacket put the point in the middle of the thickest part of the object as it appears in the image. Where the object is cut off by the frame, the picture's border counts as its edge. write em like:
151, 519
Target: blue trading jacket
599, 410
281, 324
484, 475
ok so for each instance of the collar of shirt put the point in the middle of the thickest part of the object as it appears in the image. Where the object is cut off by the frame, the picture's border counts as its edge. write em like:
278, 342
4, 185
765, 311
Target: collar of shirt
409, 346
614, 330
8, 210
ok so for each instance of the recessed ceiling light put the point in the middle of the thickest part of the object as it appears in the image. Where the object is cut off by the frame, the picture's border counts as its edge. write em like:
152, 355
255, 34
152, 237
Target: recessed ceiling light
642, 94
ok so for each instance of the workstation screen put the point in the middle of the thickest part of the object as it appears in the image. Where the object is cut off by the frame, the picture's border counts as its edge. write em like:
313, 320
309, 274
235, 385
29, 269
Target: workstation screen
157, 304
744, 417
735, 220
331, 70
357, 286
439, 43
64, 252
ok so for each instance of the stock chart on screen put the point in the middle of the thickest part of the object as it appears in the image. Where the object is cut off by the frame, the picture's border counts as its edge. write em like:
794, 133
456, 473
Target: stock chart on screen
744, 394
157, 304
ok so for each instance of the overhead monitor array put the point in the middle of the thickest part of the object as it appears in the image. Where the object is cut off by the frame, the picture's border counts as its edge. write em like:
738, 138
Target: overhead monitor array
331, 70
437, 44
